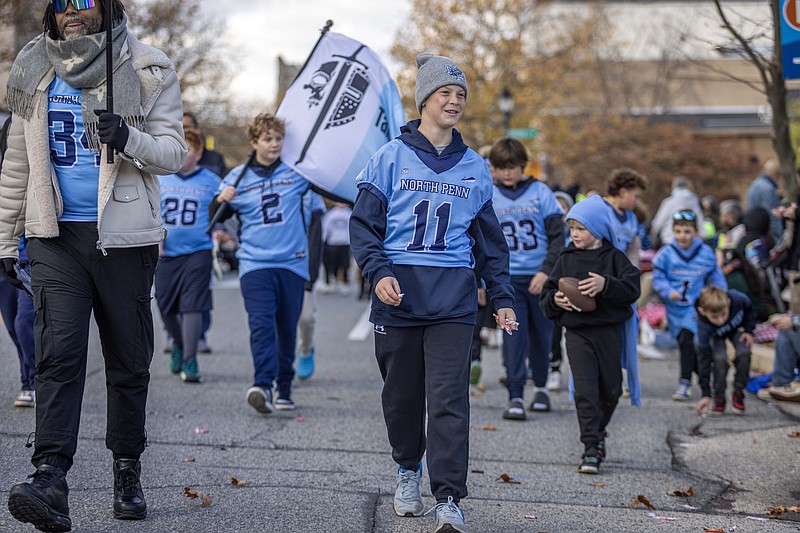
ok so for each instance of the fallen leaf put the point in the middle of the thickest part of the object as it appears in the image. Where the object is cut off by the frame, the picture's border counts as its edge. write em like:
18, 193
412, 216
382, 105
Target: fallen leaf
644, 501
597, 484
794, 435
236, 482
192, 494
683, 493
755, 441
488, 427
475, 393
188, 460
505, 478
481, 387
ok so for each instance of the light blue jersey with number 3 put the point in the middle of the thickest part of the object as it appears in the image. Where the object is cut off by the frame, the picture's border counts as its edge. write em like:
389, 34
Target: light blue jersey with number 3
77, 168
273, 231
429, 213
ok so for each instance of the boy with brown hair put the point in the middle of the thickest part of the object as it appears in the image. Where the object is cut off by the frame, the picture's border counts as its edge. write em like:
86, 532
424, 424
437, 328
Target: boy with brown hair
530, 217
723, 316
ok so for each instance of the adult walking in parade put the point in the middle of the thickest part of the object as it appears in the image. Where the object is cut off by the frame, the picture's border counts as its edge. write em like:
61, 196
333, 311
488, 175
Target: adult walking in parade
93, 229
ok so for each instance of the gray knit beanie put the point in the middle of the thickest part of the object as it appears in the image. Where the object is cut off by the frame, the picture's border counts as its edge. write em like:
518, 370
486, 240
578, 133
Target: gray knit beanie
435, 72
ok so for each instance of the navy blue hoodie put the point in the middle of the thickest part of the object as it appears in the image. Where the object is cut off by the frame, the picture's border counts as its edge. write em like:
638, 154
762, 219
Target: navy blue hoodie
427, 219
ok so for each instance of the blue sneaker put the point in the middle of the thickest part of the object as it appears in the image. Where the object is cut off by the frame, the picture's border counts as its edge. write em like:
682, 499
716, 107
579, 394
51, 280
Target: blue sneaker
176, 360
305, 365
449, 518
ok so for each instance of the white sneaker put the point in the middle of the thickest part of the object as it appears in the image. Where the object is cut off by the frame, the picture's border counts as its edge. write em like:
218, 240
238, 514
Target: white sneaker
789, 393
407, 495
449, 518
554, 381
260, 399
26, 398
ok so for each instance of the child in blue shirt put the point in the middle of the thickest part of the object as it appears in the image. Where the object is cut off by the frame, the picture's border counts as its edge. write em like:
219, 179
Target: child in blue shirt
273, 259
422, 219
680, 271
530, 217
183, 274
723, 316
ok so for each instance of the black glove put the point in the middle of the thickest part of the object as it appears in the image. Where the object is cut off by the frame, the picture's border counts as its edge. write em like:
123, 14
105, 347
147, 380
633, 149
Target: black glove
112, 130
8, 272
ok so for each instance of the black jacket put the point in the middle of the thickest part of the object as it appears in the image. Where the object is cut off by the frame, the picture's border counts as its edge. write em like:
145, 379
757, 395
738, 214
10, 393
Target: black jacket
613, 304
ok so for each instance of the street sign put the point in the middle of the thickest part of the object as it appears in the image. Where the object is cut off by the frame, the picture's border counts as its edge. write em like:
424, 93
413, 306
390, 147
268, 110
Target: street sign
522, 133
790, 38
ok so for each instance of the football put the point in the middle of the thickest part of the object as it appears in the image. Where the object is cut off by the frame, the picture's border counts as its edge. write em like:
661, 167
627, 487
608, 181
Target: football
580, 303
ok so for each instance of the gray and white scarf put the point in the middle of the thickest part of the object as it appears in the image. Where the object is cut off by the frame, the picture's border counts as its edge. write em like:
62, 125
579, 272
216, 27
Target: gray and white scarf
81, 63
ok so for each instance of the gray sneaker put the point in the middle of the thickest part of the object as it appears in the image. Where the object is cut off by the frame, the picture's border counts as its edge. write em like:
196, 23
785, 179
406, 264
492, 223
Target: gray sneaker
260, 399
407, 495
449, 518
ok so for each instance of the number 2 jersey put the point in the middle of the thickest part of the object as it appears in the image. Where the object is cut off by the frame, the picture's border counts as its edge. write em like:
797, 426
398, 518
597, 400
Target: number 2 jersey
524, 214
184, 211
273, 231
419, 217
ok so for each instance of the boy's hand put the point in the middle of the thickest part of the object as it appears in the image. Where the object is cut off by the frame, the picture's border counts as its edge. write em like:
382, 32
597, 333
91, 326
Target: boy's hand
482, 300
593, 285
703, 405
747, 339
226, 195
562, 301
506, 319
674, 296
537, 283
782, 322
388, 291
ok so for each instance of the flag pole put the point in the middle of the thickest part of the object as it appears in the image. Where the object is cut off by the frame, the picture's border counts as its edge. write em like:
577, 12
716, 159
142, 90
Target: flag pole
109, 22
223, 205
325, 29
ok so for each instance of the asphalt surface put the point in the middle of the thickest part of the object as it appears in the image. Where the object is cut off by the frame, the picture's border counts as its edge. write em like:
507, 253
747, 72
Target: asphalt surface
327, 466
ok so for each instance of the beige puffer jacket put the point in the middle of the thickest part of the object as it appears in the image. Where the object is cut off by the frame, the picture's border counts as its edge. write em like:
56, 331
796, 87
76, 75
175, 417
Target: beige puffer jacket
129, 212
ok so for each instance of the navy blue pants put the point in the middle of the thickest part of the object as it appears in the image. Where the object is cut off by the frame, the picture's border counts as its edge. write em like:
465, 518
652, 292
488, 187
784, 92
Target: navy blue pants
531, 341
16, 308
273, 298
428, 366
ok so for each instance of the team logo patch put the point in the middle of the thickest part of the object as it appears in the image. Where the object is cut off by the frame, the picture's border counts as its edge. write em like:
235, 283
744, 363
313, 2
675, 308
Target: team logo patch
380, 330
470, 179
455, 72
405, 171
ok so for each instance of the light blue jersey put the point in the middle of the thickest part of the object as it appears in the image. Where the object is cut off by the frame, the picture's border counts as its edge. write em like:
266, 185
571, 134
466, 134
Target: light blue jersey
184, 210
625, 227
77, 168
522, 214
312, 202
428, 212
273, 229
687, 272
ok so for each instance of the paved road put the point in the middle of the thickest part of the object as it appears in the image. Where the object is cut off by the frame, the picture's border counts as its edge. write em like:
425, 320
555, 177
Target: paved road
327, 466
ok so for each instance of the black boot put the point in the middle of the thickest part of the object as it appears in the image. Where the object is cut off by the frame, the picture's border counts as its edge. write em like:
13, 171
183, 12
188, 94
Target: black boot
43, 501
129, 501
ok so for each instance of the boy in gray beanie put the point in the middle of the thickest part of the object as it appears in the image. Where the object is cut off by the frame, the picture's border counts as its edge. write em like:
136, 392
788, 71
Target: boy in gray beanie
424, 199
434, 73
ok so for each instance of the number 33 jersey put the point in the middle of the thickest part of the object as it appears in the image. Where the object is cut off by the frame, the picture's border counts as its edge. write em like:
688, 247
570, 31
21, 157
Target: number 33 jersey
273, 232
428, 212
184, 211
522, 213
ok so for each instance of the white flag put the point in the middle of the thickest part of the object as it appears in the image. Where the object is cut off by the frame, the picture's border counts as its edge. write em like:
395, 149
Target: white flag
340, 110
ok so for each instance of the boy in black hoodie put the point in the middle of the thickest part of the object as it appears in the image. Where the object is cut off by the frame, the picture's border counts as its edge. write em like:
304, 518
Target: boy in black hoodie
723, 316
593, 339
